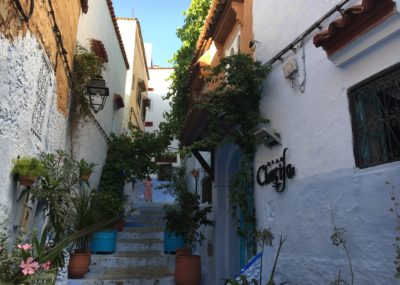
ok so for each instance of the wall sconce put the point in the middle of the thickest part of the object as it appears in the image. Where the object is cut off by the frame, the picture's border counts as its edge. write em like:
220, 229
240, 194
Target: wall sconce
267, 136
98, 93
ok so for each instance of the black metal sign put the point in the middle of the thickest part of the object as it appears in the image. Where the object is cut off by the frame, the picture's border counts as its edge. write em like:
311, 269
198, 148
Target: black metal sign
275, 172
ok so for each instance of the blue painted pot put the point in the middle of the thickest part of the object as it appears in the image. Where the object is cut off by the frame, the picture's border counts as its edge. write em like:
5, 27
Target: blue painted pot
104, 242
172, 242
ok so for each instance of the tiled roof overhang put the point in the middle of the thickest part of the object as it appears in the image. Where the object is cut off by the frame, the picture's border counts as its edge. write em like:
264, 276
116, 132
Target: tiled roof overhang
116, 28
194, 127
220, 19
354, 22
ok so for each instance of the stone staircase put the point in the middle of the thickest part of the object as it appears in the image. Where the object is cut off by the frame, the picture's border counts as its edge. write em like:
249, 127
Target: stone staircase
139, 257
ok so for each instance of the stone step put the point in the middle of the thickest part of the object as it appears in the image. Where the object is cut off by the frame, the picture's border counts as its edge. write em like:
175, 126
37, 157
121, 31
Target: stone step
141, 233
145, 217
124, 245
135, 224
129, 259
145, 275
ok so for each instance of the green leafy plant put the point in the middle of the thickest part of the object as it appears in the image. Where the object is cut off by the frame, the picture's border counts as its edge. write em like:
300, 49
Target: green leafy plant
20, 264
187, 216
131, 156
241, 202
29, 260
182, 61
83, 216
232, 106
233, 116
109, 203
85, 168
54, 189
30, 167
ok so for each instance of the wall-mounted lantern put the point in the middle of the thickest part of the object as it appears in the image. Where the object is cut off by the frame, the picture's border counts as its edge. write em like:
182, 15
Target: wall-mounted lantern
98, 93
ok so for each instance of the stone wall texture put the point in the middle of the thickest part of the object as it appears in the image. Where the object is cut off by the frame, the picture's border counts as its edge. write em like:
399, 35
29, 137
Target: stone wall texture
29, 118
41, 26
34, 87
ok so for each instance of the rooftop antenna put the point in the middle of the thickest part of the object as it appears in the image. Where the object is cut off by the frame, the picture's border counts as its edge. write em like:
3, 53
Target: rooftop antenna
133, 12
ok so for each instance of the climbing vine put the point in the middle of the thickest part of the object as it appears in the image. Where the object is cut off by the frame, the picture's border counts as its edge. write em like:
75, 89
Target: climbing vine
234, 116
182, 62
231, 108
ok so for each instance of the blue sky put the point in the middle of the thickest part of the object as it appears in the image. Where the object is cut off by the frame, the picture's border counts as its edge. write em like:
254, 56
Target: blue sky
159, 20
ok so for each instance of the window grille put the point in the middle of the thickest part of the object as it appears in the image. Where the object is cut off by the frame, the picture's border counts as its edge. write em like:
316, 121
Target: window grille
375, 113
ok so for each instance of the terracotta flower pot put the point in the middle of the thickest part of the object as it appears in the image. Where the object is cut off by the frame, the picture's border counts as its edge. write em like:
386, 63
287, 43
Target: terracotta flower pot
26, 181
187, 269
85, 177
120, 225
182, 251
78, 265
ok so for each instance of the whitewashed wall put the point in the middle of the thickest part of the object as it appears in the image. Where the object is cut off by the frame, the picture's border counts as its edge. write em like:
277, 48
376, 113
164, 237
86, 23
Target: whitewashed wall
158, 81
89, 143
128, 30
160, 84
29, 119
315, 126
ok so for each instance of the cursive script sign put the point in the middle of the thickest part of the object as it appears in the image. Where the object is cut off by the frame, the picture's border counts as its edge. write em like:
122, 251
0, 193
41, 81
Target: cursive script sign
275, 172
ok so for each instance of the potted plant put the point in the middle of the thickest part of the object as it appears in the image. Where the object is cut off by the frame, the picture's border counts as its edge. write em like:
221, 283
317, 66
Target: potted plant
85, 169
83, 216
27, 170
190, 216
54, 190
184, 219
110, 204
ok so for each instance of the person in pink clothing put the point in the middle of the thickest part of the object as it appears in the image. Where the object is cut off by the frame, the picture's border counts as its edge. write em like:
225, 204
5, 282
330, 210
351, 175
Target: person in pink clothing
148, 188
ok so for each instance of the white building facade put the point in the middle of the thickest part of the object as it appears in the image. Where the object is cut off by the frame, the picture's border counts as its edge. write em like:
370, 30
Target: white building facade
92, 135
135, 98
337, 113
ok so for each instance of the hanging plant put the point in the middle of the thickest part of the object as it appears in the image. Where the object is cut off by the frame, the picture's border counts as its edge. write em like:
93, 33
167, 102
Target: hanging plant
87, 65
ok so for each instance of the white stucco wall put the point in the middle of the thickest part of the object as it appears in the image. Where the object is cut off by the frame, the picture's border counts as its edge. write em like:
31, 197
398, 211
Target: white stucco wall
90, 143
28, 102
128, 30
160, 84
315, 126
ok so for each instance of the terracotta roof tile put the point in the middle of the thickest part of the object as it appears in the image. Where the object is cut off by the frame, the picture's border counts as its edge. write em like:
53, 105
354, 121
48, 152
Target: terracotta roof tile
354, 22
121, 44
214, 14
